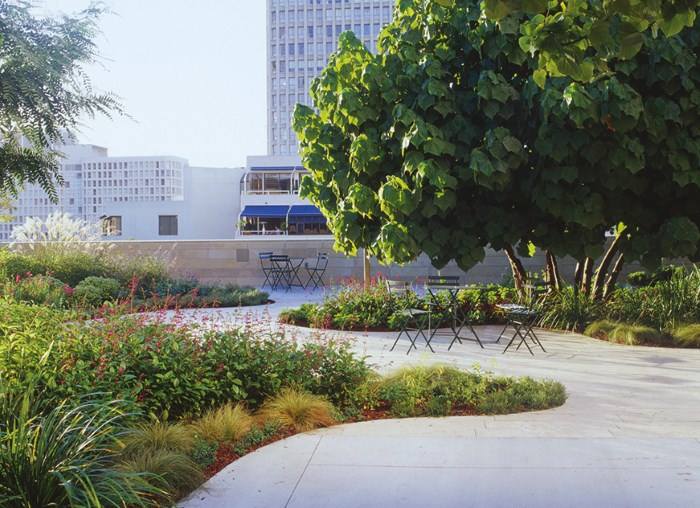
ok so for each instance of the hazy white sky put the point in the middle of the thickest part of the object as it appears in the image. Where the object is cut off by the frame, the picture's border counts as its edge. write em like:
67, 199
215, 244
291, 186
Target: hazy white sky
191, 73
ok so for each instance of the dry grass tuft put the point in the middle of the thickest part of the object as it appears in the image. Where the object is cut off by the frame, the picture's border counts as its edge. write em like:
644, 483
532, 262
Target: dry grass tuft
227, 424
299, 410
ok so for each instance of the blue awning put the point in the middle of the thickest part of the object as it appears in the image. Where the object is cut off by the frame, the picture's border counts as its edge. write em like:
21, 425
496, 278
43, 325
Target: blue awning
304, 211
265, 211
277, 168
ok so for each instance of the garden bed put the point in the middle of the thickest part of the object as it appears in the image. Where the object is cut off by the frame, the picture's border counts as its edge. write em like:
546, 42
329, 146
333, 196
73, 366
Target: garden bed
176, 404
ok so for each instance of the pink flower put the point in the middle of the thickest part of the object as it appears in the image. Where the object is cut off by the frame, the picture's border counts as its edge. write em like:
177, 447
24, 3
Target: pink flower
68, 290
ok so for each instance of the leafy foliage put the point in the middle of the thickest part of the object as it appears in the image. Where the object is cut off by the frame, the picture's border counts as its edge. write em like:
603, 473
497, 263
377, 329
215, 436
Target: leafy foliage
579, 38
440, 391
446, 142
165, 369
355, 307
95, 291
45, 91
66, 456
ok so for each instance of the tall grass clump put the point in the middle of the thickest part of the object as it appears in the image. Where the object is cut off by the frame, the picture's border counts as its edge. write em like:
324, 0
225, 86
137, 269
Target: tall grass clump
66, 456
299, 410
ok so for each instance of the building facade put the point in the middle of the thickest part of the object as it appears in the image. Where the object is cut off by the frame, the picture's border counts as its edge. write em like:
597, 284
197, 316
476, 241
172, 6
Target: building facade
139, 198
301, 35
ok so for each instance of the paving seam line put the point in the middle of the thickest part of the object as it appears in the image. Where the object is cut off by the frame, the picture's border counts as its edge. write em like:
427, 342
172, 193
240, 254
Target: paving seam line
289, 500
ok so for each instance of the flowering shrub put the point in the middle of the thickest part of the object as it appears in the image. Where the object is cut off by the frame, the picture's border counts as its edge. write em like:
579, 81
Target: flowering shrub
357, 308
40, 290
165, 368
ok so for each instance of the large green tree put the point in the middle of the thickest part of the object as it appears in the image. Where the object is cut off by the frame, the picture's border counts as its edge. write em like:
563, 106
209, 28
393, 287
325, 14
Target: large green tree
44, 91
444, 143
579, 38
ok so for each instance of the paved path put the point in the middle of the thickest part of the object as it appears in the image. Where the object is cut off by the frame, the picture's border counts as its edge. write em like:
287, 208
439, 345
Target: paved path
629, 435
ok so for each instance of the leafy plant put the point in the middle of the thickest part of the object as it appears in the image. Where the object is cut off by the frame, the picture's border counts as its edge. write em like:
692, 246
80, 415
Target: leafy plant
440, 390
204, 453
623, 333
173, 473
178, 370
95, 291
65, 457
257, 436
568, 309
157, 435
687, 336
299, 410
39, 290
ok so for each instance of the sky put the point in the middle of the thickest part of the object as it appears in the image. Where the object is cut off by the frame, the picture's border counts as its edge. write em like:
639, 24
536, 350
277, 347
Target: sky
190, 73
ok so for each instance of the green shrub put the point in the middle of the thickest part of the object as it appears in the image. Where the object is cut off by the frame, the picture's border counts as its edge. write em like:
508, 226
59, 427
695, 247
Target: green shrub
513, 395
256, 437
665, 305
301, 316
164, 368
143, 275
40, 290
357, 308
173, 473
65, 457
624, 333
687, 336
204, 453
95, 291
600, 329
438, 391
568, 309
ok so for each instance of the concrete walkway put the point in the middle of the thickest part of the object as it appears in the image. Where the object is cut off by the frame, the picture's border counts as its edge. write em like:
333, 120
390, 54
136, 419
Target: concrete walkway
629, 435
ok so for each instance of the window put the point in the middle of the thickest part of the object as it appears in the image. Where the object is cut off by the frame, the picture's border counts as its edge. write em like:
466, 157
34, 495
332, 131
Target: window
112, 226
167, 225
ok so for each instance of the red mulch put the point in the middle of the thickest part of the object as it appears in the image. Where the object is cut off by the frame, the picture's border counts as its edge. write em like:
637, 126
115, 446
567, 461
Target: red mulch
225, 454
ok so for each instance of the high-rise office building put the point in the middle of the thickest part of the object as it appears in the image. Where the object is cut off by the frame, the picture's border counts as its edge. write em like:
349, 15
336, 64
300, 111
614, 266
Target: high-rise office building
301, 35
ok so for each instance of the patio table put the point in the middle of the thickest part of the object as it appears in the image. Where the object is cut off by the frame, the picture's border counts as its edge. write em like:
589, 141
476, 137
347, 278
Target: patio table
459, 319
286, 271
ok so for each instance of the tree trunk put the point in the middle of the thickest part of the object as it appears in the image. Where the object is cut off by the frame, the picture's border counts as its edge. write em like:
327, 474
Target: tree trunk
553, 275
519, 273
366, 269
602, 271
586, 276
612, 278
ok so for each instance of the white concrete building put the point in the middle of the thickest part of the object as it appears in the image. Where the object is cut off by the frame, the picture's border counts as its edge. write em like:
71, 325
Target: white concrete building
270, 202
301, 35
138, 198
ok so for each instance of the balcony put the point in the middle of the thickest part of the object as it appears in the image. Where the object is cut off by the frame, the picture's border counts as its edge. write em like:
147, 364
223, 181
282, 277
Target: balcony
271, 183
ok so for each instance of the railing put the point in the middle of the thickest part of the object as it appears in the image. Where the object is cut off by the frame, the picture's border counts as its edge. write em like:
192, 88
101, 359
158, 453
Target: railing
269, 192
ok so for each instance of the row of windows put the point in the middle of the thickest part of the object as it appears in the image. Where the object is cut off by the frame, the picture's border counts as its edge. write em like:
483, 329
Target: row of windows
289, 100
132, 165
282, 16
141, 172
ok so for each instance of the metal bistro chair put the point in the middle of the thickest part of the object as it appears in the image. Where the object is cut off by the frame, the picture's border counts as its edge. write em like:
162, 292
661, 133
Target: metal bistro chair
410, 315
280, 271
267, 267
522, 318
317, 271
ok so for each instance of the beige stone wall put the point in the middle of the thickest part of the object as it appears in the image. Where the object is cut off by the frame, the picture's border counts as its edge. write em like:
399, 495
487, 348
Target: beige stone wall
237, 260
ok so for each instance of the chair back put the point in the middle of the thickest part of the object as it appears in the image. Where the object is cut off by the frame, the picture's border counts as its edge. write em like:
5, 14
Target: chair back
279, 261
265, 261
398, 287
321, 262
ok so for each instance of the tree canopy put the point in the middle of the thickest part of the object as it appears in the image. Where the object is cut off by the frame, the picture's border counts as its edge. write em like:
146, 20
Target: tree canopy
444, 143
44, 91
579, 38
